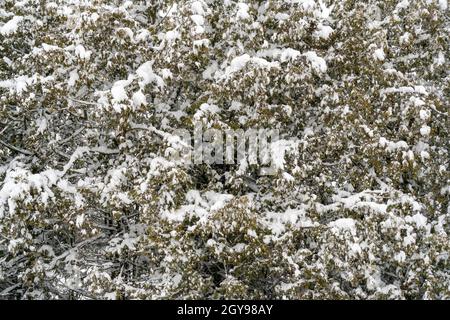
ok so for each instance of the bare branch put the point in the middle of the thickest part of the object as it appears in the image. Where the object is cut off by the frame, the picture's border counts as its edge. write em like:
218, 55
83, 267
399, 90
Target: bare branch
11, 147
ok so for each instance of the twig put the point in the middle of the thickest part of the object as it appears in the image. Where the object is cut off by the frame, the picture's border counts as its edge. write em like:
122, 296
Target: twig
7, 290
4, 129
23, 151
164, 18
104, 150
72, 136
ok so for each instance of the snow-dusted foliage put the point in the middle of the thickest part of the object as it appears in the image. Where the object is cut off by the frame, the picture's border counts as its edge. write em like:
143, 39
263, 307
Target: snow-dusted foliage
93, 207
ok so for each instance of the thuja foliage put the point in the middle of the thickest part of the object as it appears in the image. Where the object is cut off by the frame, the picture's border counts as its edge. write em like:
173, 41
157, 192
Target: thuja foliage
92, 205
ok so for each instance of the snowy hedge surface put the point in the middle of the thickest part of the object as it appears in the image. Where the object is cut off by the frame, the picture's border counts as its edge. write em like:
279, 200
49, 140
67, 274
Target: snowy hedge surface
93, 207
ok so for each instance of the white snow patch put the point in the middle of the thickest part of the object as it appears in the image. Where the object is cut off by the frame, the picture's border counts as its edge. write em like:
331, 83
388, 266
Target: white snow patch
82, 53
242, 12
379, 55
278, 221
11, 26
323, 32
317, 63
42, 125
73, 78
424, 114
415, 89
418, 219
289, 54
425, 130
278, 150
138, 99
198, 19
197, 8
240, 62
392, 146
343, 224
79, 220
118, 93
145, 72
400, 257
172, 35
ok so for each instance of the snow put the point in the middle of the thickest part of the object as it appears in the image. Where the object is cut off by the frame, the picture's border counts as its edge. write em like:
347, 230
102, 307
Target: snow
278, 222
324, 12
363, 199
408, 240
14, 243
73, 78
289, 54
216, 200
79, 220
47, 48
278, 150
118, 93
41, 125
19, 185
288, 177
239, 247
323, 32
242, 12
82, 53
402, 5
343, 224
18, 84
239, 62
197, 8
252, 233
425, 130
318, 64
400, 257
194, 197
171, 36
405, 38
166, 74
281, 16
200, 205
128, 32
379, 55
205, 109
146, 73
424, 155
138, 99
94, 17
355, 249
306, 4
199, 30
424, 114
11, 26
440, 59
201, 43
198, 19
7, 61
110, 295
142, 35
356, 194
392, 146
415, 89
122, 197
